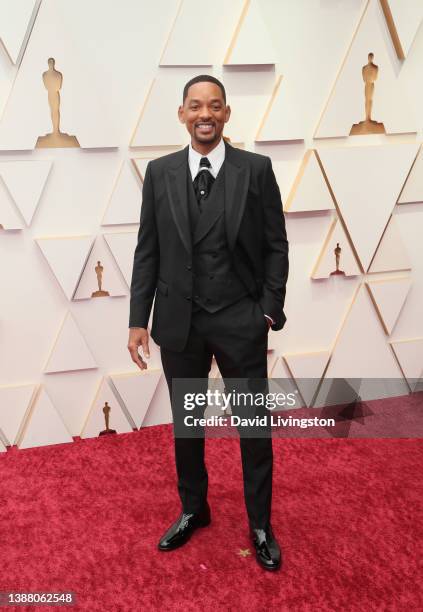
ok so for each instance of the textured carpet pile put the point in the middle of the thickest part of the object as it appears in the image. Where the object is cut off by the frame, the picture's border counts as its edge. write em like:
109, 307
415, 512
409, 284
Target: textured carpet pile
86, 518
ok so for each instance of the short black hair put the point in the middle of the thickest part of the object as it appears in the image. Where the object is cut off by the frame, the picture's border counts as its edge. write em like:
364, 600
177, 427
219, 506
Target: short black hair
201, 78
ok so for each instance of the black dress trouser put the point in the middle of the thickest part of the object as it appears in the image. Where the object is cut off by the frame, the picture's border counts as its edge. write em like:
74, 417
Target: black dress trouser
237, 336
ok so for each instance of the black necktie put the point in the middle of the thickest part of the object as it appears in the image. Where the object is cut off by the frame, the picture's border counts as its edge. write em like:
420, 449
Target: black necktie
203, 181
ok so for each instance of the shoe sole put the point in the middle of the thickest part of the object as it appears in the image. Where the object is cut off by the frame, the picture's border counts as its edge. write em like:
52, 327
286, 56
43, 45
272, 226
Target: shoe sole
202, 524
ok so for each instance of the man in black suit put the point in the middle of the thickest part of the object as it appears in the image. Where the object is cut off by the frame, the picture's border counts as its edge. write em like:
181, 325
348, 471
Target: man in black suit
212, 250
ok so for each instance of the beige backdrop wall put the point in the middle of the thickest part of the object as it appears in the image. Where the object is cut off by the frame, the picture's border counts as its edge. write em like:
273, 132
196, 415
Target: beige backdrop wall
293, 74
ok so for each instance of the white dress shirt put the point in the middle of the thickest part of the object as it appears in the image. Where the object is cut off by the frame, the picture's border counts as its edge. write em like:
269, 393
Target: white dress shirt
216, 158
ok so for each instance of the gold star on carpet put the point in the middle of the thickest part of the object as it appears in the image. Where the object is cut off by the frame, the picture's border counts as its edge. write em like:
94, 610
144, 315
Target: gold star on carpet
244, 552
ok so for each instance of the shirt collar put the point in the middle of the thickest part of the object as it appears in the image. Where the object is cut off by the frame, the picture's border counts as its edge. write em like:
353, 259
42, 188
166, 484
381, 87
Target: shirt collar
216, 158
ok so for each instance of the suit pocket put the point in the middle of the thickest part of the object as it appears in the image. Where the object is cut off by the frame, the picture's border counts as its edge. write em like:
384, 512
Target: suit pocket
162, 287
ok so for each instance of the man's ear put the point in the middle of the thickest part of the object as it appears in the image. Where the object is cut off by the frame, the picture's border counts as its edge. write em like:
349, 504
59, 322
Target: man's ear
181, 114
227, 113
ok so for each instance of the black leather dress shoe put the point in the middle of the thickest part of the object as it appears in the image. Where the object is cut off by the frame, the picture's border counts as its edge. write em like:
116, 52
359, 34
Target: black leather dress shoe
268, 552
183, 528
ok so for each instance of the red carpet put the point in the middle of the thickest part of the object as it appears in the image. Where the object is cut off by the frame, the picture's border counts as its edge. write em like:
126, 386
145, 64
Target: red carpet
86, 517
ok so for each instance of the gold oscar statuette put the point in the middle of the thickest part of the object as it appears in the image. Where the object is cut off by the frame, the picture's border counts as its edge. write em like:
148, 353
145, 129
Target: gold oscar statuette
337, 250
52, 80
106, 410
99, 271
368, 126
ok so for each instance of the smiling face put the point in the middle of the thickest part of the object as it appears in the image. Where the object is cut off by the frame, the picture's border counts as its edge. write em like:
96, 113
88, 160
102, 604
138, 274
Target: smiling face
204, 113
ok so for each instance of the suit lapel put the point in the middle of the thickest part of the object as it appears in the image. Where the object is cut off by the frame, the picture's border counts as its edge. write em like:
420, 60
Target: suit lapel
176, 186
237, 178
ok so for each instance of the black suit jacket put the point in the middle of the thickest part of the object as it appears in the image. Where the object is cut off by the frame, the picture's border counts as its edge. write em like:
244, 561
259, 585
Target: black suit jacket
256, 235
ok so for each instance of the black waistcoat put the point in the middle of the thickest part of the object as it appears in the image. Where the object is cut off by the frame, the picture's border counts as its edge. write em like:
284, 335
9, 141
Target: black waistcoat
215, 283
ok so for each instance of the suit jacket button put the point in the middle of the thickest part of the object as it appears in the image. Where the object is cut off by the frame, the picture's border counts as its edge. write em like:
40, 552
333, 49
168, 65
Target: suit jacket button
189, 267
188, 297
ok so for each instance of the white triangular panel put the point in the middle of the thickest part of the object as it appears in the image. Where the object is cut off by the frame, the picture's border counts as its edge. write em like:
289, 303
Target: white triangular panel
198, 37
164, 96
141, 166
361, 349
44, 425
125, 203
391, 254
96, 423
122, 246
70, 351
390, 296
326, 263
10, 219
66, 257
280, 369
14, 402
2, 447
136, 390
366, 182
307, 370
25, 181
410, 356
111, 280
16, 18
413, 188
57, 33
72, 394
309, 191
252, 43
406, 17
346, 105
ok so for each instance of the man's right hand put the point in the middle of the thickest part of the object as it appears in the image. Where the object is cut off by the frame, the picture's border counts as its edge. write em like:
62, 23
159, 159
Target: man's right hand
138, 336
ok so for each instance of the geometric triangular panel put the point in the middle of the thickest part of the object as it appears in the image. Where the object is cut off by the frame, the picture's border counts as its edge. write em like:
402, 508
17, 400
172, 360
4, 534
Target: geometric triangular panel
336, 246
391, 254
100, 277
162, 98
413, 188
66, 257
70, 350
10, 219
389, 296
192, 44
136, 390
16, 20
72, 395
25, 181
141, 164
346, 106
410, 357
403, 18
307, 370
105, 405
366, 182
122, 246
309, 191
14, 403
43, 425
125, 203
361, 349
252, 43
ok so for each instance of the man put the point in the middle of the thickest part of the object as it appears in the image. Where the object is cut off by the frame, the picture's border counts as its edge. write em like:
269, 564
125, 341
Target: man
212, 242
